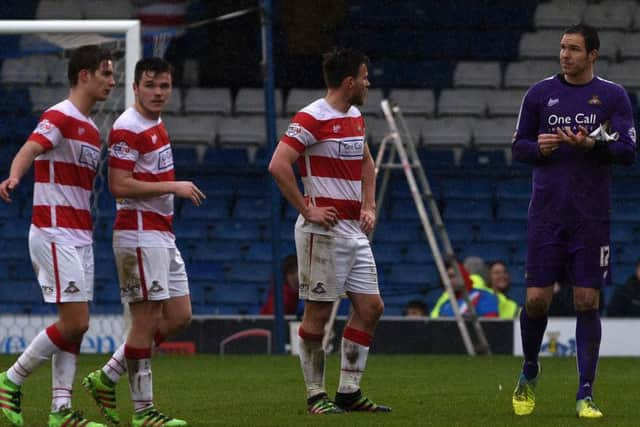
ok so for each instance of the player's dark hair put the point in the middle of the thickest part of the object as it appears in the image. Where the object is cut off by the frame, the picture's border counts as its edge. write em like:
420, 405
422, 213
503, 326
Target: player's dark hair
152, 64
289, 264
589, 33
341, 63
87, 57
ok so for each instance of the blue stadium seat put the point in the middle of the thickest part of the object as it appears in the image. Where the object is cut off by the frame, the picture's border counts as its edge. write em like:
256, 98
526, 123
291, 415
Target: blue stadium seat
184, 156
502, 231
251, 208
236, 230
625, 210
495, 44
462, 188
213, 208
515, 209
20, 291
107, 292
211, 271
468, 209
487, 160
224, 252
226, 158
249, 272
413, 274
234, 294
216, 185
436, 159
388, 253
514, 188
396, 231
487, 251
419, 253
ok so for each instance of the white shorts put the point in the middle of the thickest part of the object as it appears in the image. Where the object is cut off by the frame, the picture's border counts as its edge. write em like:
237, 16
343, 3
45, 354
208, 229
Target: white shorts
330, 266
150, 274
64, 273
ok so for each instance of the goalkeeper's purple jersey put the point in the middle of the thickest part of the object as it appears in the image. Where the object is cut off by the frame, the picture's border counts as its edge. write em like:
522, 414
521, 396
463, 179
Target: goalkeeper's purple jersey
572, 183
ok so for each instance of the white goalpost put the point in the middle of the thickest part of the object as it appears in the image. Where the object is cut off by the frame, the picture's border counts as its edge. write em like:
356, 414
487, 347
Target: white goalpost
130, 28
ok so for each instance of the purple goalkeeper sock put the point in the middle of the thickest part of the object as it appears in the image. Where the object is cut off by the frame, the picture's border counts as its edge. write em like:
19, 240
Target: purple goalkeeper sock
532, 331
588, 334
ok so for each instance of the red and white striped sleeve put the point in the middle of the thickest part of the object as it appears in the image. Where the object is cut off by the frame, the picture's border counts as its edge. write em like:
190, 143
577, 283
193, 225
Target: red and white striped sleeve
123, 149
50, 129
302, 131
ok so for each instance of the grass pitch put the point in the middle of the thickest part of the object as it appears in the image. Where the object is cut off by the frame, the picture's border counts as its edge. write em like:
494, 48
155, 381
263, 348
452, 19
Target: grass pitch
423, 391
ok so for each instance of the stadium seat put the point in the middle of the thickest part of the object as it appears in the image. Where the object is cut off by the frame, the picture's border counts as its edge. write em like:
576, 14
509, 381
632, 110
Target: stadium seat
251, 101
630, 45
300, 98
242, 132
26, 69
214, 209
372, 103
252, 272
478, 188
419, 253
192, 228
505, 231
504, 102
450, 132
487, 161
494, 133
218, 251
610, 42
514, 188
436, 159
60, 9
388, 253
396, 231
486, 250
625, 73
210, 271
513, 209
252, 208
413, 275
108, 9
477, 74
494, 44
558, 14
376, 129
174, 106
236, 230
468, 209
191, 129
208, 100
462, 102
539, 45
419, 102
523, 74
615, 15
44, 97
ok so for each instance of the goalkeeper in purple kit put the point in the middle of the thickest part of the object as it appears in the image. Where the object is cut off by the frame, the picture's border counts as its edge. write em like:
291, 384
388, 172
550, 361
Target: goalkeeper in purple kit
572, 127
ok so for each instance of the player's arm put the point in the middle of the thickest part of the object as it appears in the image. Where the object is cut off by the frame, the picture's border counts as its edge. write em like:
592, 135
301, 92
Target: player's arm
368, 211
19, 166
281, 168
622, 150
123, 184
528, 146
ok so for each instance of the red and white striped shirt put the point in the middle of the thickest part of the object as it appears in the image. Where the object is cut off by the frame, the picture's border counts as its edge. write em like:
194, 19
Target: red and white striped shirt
142, 146
64, 175
331, 144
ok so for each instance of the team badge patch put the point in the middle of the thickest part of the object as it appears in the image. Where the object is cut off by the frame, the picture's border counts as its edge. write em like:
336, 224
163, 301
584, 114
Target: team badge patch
594, 100
294, 130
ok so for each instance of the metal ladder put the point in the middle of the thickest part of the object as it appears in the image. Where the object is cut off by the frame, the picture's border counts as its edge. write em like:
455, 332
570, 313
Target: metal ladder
400, 142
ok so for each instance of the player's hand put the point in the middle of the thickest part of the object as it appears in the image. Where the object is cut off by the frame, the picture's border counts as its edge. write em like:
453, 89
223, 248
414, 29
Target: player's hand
326, 216
367, 220
579, 139
188, 190
548, 142
6, 187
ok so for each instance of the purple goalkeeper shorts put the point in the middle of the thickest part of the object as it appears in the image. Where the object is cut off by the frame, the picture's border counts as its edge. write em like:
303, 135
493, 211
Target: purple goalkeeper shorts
579, 253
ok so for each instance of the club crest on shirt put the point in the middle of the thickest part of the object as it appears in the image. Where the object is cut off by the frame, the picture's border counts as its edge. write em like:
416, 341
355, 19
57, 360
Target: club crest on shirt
165, 159
120, 150
294, 130
89, 156
594, 100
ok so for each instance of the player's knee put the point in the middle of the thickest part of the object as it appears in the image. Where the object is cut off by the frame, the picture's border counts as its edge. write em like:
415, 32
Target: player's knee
585, 303
376, 309
537, 307
182, 322
75, 331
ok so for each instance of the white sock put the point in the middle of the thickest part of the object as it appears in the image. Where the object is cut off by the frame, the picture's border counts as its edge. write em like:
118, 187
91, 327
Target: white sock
36, 353
140, 382
355, 349
63, 371
312, 360
116, 367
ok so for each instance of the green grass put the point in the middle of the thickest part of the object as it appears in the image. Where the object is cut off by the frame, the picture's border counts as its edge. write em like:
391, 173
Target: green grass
423, 390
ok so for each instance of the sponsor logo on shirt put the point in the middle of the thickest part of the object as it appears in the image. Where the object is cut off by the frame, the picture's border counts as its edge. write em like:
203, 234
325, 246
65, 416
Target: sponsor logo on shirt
165, 159
594, 100
553, 101
89, 156
351, 147
578, 119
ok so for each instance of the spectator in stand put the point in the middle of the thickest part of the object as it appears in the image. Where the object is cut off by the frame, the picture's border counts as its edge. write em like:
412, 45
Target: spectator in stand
500, 283
289, 289
415, 308
626, 299
484, 301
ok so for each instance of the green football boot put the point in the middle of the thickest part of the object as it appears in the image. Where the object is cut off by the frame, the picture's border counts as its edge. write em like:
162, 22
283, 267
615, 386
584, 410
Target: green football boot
151, 417
103, 392
69, 418
10, 401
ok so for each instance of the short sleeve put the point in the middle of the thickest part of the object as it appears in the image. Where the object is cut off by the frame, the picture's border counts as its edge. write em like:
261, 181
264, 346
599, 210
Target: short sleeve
49, 130
123, 149
302, 131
